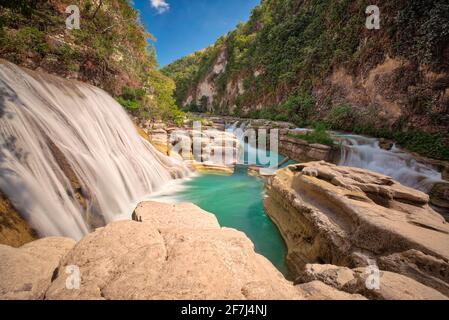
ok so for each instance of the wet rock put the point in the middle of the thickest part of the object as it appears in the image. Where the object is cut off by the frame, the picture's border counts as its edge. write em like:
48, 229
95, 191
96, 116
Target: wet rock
211, 168
385, 144
445, 173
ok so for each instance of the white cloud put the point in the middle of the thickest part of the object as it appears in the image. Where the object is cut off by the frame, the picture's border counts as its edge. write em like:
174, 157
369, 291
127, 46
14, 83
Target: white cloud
160, 5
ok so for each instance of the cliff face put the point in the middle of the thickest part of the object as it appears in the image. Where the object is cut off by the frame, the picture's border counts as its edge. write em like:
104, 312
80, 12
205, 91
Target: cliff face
353, 218
305, 61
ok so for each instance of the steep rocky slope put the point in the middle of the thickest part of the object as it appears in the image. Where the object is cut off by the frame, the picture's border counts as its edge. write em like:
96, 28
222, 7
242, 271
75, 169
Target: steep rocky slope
305, 61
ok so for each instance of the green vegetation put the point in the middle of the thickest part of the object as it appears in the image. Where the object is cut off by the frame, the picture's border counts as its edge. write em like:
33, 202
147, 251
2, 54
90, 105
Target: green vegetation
284, 54
319, 135
341, 117
110, 50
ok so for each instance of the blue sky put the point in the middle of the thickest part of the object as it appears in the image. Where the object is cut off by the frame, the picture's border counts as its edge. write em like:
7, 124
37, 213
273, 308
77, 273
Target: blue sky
185, 26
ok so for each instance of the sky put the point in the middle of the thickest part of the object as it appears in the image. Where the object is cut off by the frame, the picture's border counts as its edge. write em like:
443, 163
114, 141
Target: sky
182, 27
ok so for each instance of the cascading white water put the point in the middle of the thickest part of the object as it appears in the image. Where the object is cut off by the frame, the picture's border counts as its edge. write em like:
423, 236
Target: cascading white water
114, 166
364, 152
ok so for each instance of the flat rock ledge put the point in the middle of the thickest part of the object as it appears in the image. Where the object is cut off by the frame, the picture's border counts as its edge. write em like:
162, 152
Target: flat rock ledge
166, 252
353, 218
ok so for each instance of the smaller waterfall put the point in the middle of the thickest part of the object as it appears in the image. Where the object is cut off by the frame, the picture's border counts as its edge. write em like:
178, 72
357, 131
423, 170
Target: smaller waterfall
363, 152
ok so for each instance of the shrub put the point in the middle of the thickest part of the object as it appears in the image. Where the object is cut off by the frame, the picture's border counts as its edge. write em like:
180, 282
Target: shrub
130, 105
341, 117
318, 135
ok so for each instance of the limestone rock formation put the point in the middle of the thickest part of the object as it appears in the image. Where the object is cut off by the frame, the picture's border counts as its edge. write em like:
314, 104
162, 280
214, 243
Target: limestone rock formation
211, 168
180, 252
173, 252
328, 274
317, 290
210, 150
426, 269
300, 150
184, 215
26, 272
346, 216
390, 286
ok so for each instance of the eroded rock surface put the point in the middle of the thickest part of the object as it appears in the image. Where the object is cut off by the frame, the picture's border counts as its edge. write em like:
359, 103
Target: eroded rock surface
388, 286
346, 216
300, 150
317, 290
26, 272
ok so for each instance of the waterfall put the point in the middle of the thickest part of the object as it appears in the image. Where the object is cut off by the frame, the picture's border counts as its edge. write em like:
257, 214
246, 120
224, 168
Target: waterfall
364, 152
70, 157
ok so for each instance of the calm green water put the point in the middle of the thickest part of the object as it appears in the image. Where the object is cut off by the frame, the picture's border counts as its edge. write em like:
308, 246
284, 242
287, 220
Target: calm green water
237, 202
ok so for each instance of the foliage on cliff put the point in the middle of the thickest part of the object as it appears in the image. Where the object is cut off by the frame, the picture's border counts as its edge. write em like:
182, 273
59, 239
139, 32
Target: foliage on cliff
110, 50
287, 51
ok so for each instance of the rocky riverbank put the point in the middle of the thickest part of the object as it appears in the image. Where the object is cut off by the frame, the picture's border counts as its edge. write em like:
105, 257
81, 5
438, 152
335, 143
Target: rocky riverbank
217, 149
181, 252
167, 252
351, 218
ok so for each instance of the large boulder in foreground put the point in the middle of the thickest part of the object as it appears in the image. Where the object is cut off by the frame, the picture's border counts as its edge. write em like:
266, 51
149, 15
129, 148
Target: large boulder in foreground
171, 252
348, 216
132, 260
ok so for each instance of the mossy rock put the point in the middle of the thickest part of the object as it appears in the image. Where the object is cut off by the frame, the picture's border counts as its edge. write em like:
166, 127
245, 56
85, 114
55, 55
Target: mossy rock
14, 231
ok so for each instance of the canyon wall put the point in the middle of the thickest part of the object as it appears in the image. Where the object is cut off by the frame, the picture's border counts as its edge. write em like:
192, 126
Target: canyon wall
355, 218
307, 61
